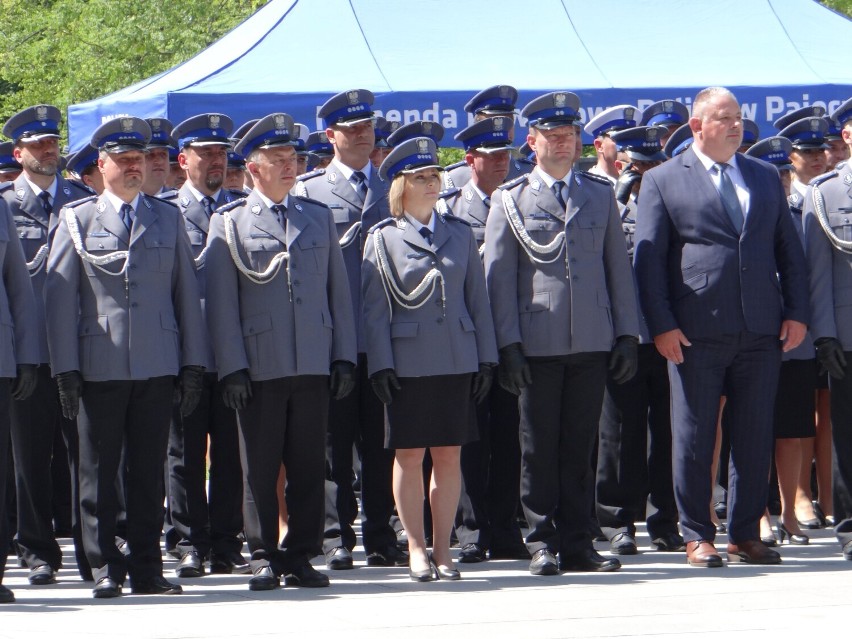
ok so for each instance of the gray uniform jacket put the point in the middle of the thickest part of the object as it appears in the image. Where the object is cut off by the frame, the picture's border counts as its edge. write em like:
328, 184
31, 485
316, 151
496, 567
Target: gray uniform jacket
264, 327
34, 229
830, 269
557, 308
456, 175
332, 189
19, 330
432, 339
142, 324
197, 226
466, 204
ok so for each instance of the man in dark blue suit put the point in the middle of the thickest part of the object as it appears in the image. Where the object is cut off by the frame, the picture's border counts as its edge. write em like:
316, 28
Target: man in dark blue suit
723, 286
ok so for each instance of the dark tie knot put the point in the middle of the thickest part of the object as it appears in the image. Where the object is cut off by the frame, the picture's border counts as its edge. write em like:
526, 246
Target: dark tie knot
426, 233
558, 187
280, 210
45, 200
126, 213
359, 177
208, 204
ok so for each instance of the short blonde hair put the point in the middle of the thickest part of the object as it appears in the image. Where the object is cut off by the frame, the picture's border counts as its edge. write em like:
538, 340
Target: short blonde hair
395, 192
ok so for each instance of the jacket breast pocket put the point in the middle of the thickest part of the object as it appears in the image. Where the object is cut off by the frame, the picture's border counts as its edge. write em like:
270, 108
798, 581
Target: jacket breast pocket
196, 237
841, 224
313, 253
103, 245
340, 214
160, 252
591, 228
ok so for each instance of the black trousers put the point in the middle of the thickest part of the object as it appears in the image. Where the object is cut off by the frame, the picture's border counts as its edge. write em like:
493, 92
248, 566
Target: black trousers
491, 470
358, 420
746, 366
206, 522
841, 433
285, 421
629, 469
36, 423
5, 458
559, 425
132, 415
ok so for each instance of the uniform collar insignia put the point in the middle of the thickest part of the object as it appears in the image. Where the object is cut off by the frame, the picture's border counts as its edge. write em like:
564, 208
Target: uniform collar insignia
400, 223
101, 207
20, 194
847, 179
298, 206
332, 176
147, 202
468, 196
255, 209
535, 185
66, 191
184, 201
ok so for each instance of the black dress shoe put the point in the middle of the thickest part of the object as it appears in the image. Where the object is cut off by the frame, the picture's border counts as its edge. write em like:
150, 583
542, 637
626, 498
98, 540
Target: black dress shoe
6, 595
154, 586
229, 562
471, 554
42, 575
339, 559
544, 563
669, 542
623, 544
306, 576
106, 588
510, 552
389, 556
588, 561
264, 579
190, 565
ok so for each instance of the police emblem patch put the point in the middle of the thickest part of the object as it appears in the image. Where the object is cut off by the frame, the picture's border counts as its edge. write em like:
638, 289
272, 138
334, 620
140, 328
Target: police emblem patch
422, 146
468, 196
101, 207
668, 106
20, 194
652, 135
628, 113
41, 113
280, 121
352, 96
535, 185
815, 124
213, 121
298, 206
499, 123
66, 191
255, 209
559, 99
775, 143
184, 201
127, 125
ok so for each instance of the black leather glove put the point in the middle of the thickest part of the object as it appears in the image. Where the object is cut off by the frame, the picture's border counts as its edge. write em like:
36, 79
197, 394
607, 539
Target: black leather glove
70, 386
625, 183
829, 352
236, 389
342, 379
383, 381
482, 383
190, 383
514, 373
624, 359
25, 381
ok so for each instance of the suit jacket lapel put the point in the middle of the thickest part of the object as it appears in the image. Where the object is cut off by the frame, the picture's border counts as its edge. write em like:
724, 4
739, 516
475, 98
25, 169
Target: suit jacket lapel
193, 210
297, 221
375, 191
342, 188
704, 190
412, 236
577, 196
544, 197
145, 218
108, 218
265, 219
475, 206
441, 234
29, 203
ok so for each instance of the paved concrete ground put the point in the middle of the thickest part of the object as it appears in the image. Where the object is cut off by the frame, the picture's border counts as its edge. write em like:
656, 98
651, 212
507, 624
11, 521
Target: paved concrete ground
654, 595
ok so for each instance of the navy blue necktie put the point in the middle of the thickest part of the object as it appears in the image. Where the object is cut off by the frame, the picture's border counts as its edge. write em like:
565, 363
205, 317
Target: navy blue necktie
361, 183
45, 202
487, 201
126, 213
557, 191
207, 203
279, 210
427, 234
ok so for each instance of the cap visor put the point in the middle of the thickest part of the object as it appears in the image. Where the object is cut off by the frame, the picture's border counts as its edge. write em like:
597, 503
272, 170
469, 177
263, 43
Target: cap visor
40, 136
659, 156
371, 118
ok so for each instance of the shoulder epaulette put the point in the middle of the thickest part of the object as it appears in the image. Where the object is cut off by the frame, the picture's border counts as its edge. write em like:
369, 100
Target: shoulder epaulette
85, 188
76, 203
238, 193
513, 183
231, 205
840, 164
310, 174
167, 195
5, 186
384, 222
309, 200
595, 178
448, 193
819, 179
455, 165
159, 199
452, 218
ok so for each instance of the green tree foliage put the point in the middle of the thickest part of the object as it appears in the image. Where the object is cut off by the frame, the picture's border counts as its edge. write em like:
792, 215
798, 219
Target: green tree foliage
841, 6
66, 51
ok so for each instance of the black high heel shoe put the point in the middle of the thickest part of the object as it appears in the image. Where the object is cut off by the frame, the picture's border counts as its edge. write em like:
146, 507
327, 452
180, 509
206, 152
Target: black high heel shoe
450, 574
820, 514
769, 540
429, 574
797, 540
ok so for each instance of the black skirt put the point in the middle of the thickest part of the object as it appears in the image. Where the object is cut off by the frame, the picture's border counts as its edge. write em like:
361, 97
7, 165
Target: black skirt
795, 402
437, 410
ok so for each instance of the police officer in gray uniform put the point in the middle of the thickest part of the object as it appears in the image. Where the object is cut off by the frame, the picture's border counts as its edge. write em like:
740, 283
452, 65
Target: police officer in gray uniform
19, 355
205, 523
828, 247
281, 320
564, 306
486, 521
123, 316
34, 200
496, 101
357, 197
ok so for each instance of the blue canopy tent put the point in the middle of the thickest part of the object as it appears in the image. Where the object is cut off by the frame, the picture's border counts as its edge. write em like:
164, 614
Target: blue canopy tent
423, 59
